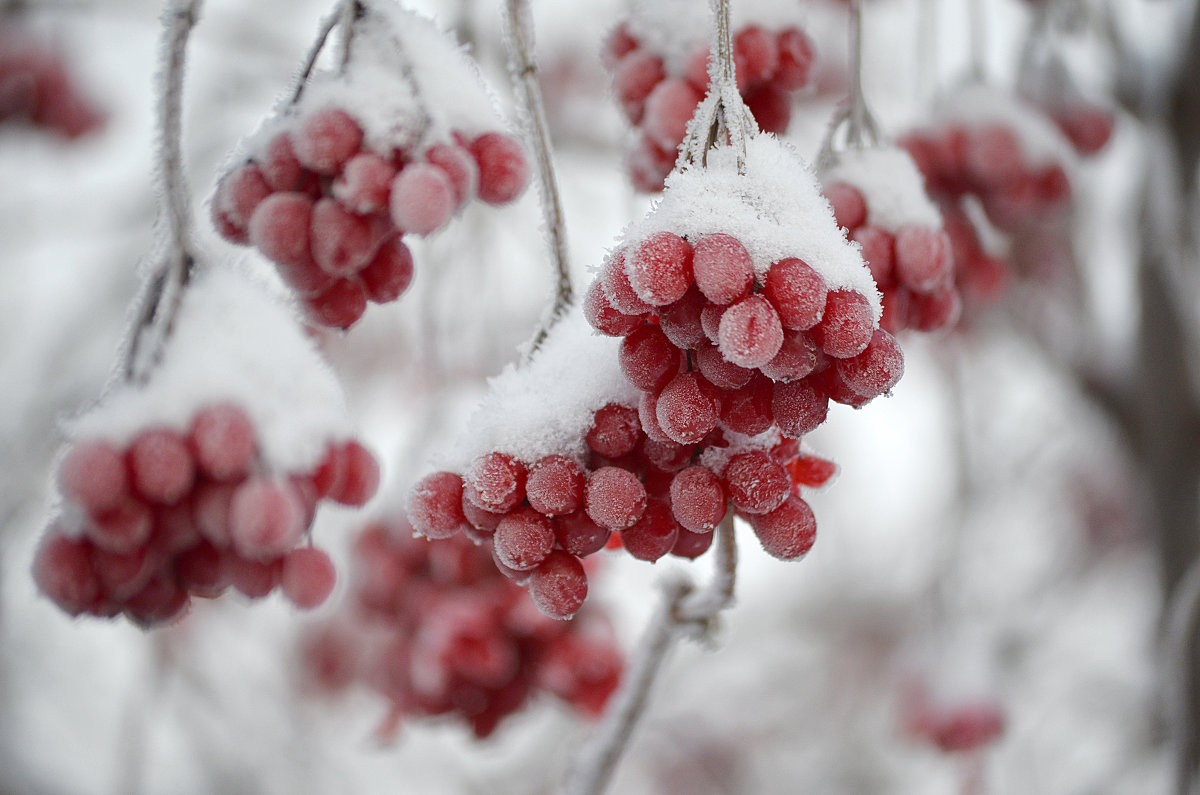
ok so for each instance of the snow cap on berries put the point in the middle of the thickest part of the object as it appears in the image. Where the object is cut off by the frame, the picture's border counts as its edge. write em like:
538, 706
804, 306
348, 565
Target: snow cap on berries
232, 342
890, 182
775, 210
546, 406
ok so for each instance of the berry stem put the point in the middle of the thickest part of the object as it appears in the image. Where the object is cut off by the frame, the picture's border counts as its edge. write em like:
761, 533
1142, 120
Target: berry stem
518, 39
348, 14
855, 116
683, 610
314, 52
161, 299
978, 36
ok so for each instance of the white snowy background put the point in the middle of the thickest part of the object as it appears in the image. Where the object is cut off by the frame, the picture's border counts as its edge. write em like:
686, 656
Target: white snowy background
982, 534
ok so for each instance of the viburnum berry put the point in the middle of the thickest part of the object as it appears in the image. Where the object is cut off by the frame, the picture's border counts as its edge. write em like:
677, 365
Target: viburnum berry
750, 334
755, 482
698, 499
653, 535
307, 577
559, 585
435, 505
523, 539
788, 531
722, 267
554, 486
614, 498
495, 482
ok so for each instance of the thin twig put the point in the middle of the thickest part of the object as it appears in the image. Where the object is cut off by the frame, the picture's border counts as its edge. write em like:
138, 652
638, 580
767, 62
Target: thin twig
314, 52
161, 300
683, 611
721, 114
350, 12
978, 37
855, 117
518, 39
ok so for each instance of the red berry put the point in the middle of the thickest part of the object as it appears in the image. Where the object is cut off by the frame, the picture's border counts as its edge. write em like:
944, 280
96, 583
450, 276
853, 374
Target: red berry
340, 306
653, 535
771, 107
253, 579
93, 476
847, 326
878, 252
579, 535
680, 321
266, 519
691, 545
722, 267
326, 140
618, 43
750, 333
559, 585
799, 407
459, 168
279, 165
422, 199
307, 577
604, 317
876, 370
923, 258
660, 268
495, 482
435, 505
123, 529
200, 571
648, 359
810, 470
614, 498
798, 356
788, 532
222, 440
685, 412
240, 193
523, 539
757, 53
795, 59
698, 499
668, 109
555, 486
618, 288
364, 183
503, 169
755, 482
615, 431
634, 77
210, 511
719, 371
389, 273
748, 410
161, 466
797, 292
63, 572
280, 227
360, 478
849, 206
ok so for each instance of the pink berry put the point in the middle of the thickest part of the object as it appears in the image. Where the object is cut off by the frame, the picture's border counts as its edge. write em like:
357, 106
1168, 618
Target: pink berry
648, 359
618, 288
993, 156
307, 577
123, 529
799, 407
63, 572
634, 77
340, 306
559, 586
210, 511
798, 356
554, 486
326, 140
253, 579
279, 228
680, 321
342, 243
503, 169
797, 292
755, 482
757, 53
722, 267
649, 164
161, 465
459, 168
686, 413
878, 252
660, 268
750, 333
615, 431
496, 482
365, 183
936, 310
847, 325
653, 535
617, 44
93, 476
389, 273
668, 109
604, 317
795, 59
924, 261
422, 199
266, 519
849, 206
579, 535
279, 165
523, 539
876, 370
240, 193
222, 440
435, 505
160, 601
614, 498
787, 532
360, 475
698, 499
201, 571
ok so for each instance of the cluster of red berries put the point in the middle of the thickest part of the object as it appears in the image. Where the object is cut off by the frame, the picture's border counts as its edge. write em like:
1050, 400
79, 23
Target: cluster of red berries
435, 629
330, 212
769, 67
951, 726
35, 86
146, 526
913, 266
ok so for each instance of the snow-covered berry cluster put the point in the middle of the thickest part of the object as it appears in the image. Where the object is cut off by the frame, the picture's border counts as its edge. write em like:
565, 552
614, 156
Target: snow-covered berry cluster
209, 474
437, 630
659, 67
328, 188
879, 198
36, 87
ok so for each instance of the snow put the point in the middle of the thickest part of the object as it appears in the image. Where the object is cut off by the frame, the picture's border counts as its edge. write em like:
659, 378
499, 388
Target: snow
889, 180
233, 341
546, 406
775, 209
715, 458
979, 105
407, 82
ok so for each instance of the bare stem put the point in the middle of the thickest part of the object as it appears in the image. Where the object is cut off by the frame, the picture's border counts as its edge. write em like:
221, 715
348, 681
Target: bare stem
350, 11
722, 114
314, 52
978, 34
161, 299
523, 67
855, 116
683, 610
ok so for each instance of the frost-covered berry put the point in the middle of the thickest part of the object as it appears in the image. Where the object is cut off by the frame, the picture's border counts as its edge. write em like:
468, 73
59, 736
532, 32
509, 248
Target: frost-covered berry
496, 482
787, 532
698, 499
750, 333
326, 140
847, 325
161, 466
307, 577
523, 539
222, 441
279, 228
686, 411
342, 242
722, 267
755, 482
93, 475
554, 486
266, 519
615, 431
797, 293
614, 498
660, 268
503, 169
559, 585
876, 370
435, 505
653, 535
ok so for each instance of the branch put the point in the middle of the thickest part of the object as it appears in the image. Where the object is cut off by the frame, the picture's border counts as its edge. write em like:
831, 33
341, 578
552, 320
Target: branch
161, 300
518, 39
314, 52
683, 610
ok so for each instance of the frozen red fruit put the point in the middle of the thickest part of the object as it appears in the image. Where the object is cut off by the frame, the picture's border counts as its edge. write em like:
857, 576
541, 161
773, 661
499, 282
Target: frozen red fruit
161, 465
503, 169
222, 440
698, 499
787, 532
124, 528
523, 539
617, 44
797, 292
849, 206
360, 475
878, 252
240, 193
340, 306
810, 470
422, 199
648, 359
92, 475
847, 325
720, 372
435, 505
748, 410
722, 267
686, 413
253, 579
63, 572
579, 535
266, 519
755, 482
604, 317
771, 107
279, 228
389, 273
876, 370
615, 431
460, 168
668, 109
280, 167
559, 585
365, 183
691, 545
799, 407
210, 511
614, 498
923, 258
554, 486
496, 482
757, 53
617, 287
634, 77
326, 140
798, 356
653, 535
680, 321
660, 268
307, 577
795, 59
342, 242
750, 333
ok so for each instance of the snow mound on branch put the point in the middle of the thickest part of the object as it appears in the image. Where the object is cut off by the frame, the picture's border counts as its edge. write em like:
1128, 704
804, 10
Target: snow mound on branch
889, 180
547, 405
978, 105
674, 29
407, 82
233, 342
775, 209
